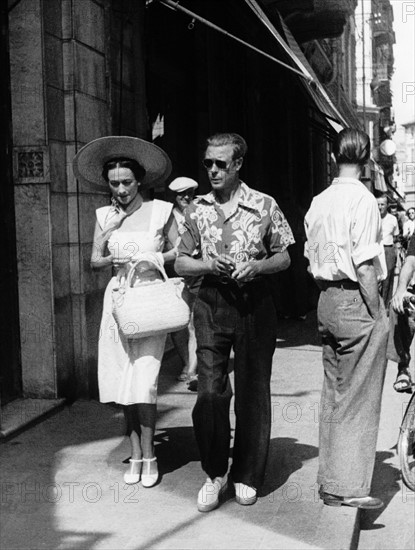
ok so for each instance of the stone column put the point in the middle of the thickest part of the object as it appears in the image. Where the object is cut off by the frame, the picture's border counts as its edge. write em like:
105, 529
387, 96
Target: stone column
63, 76
32, 200
87, 116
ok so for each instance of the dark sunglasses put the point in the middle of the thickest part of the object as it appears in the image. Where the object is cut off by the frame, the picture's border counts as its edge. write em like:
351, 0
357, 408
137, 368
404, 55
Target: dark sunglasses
220, 164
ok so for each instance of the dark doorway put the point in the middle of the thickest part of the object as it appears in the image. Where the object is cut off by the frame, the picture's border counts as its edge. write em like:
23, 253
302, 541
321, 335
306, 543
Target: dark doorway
10, 366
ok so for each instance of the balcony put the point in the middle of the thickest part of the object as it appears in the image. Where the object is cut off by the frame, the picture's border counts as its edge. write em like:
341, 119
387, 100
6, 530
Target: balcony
312, 19
382, 96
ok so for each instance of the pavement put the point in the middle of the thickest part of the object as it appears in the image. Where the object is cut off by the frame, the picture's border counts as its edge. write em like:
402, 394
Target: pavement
62, 488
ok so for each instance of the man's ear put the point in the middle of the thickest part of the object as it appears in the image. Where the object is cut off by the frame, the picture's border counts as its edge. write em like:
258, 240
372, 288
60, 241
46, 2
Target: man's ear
238, 163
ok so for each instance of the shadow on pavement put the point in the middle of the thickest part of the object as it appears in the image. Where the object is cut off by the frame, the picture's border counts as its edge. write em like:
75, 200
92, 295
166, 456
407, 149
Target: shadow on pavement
384, 486
176, 447
285, 456
297, 332
69, 468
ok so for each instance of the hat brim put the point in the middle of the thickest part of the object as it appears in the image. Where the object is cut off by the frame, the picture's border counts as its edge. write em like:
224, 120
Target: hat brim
89, 161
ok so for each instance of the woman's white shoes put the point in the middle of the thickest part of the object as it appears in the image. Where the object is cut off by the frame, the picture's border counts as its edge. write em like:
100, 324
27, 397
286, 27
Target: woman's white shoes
147, 479
132, 476
134, 473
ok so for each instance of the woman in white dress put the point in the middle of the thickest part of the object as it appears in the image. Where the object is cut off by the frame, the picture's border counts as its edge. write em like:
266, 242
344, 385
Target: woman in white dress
131, 228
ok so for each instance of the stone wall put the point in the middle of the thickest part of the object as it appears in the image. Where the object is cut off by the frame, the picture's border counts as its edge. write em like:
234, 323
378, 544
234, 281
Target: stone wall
87, 117
64, 65
32, 200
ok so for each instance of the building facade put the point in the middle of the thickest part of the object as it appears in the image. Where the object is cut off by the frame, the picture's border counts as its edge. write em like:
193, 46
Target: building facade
375, 64
81, 69
405, 162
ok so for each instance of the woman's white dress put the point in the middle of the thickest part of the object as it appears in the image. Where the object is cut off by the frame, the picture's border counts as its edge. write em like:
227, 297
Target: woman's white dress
128, 369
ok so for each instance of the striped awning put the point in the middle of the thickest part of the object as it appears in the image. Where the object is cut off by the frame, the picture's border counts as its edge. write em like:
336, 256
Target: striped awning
316, 91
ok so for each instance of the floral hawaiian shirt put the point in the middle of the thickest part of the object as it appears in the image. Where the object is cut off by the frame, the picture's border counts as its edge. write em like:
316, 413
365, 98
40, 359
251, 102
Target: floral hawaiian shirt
255, 229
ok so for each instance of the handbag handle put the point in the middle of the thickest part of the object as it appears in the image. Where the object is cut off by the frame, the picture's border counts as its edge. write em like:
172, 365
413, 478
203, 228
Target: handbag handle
156, 264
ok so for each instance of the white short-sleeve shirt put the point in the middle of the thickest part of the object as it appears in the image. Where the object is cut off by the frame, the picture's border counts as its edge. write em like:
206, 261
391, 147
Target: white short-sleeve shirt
390, 229
343, 230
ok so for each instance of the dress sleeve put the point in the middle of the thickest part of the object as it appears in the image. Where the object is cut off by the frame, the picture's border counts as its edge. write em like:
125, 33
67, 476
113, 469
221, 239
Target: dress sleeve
102, 215
164, 209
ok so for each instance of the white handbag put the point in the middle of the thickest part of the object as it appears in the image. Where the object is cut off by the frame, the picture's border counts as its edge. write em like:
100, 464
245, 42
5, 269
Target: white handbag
150, 308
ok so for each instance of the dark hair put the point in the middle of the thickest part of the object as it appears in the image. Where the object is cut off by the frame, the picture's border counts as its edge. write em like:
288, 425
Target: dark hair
383, 196
122, 162
238, 143
410, 208
351, 147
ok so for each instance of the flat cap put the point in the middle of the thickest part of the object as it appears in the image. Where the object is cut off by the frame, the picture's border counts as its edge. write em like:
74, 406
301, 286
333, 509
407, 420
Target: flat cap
181, 184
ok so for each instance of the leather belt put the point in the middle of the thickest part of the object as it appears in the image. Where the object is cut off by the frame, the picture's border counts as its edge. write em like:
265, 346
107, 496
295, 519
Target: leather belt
213, 280
346, 284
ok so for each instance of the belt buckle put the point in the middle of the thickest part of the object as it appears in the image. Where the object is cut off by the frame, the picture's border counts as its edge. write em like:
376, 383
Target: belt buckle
225, 279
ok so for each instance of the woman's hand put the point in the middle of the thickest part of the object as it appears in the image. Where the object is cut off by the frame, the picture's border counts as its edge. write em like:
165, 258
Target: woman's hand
115, 221
118, 262
100, 262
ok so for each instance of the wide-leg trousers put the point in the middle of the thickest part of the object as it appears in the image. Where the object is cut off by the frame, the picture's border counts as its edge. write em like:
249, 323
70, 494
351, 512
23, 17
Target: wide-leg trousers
354, 359
227, 316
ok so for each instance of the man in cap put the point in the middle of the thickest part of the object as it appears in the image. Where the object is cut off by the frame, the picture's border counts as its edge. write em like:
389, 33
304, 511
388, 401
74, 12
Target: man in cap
184, 191
184, 340
242, 236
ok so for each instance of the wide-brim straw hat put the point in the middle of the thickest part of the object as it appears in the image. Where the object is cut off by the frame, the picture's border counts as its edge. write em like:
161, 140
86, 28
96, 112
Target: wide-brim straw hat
89, 161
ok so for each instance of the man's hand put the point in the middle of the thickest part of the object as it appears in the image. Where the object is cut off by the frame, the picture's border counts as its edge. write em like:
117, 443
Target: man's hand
246, 271
399, 298
222, 265
366, 277
405, 276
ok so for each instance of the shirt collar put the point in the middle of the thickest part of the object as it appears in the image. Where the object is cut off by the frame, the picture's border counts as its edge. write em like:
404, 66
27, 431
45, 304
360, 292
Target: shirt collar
247, 197
347, 180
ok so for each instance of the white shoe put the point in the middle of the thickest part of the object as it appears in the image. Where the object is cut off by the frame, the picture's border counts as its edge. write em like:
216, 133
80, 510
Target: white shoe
147, 479
208, 497
244, 494
132, 476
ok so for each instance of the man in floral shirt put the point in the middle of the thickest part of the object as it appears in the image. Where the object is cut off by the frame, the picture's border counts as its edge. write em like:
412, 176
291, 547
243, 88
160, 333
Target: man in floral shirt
242, 237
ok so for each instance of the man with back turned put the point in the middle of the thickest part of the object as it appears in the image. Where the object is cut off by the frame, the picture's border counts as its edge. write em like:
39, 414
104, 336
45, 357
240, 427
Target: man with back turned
344, 248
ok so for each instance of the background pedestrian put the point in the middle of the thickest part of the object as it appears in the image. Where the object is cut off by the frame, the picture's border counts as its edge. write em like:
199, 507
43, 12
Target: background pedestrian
343, 229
